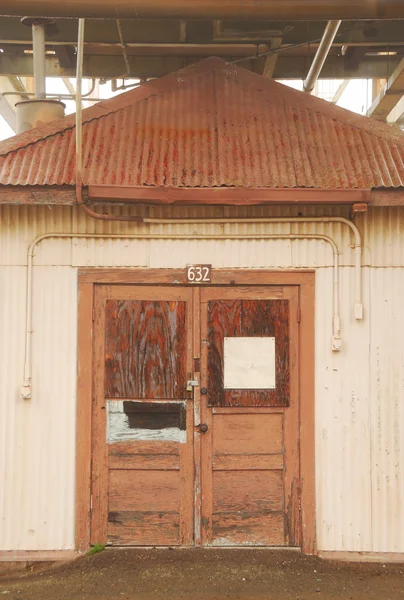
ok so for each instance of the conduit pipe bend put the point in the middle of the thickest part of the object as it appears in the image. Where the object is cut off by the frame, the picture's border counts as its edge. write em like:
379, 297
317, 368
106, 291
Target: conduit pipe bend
358, 310
26, 389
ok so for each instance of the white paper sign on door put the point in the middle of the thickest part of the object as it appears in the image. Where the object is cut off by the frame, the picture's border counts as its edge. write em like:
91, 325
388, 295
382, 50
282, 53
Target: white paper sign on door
249, 363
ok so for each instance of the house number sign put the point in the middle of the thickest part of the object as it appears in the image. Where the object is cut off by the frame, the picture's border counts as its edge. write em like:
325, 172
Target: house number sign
199, 273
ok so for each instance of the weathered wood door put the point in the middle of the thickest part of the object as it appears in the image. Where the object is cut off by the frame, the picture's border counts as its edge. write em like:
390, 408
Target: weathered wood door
249, 406
142, 472
215, 463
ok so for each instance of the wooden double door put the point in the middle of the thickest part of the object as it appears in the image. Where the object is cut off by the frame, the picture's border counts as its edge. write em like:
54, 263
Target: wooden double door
195, 419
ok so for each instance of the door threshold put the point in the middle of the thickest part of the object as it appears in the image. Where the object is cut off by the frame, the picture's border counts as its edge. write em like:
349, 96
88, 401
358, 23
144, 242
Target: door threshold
283, 548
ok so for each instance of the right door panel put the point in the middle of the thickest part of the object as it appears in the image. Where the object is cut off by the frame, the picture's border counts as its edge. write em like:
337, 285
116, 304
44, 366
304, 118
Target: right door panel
250, 452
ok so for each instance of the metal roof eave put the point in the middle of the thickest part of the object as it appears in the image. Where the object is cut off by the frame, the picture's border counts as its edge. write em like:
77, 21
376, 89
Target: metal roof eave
236, 196
225, 195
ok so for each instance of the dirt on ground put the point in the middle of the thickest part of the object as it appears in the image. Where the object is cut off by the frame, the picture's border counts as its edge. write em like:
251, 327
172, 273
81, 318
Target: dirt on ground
206, 574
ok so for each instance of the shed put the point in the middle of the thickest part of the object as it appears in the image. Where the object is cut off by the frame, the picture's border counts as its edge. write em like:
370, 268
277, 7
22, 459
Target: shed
209, 346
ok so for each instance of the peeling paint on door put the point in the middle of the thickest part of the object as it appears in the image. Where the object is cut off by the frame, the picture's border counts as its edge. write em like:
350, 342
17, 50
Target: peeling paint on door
121, 427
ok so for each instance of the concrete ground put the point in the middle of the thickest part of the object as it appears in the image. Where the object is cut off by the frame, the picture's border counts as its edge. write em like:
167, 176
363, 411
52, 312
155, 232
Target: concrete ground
197, 574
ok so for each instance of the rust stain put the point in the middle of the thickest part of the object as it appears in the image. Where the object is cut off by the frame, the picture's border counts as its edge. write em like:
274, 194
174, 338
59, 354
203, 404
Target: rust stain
213, 126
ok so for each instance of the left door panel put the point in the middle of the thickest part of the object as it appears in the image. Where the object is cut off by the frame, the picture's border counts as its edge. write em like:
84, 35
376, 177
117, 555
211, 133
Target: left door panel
142, 471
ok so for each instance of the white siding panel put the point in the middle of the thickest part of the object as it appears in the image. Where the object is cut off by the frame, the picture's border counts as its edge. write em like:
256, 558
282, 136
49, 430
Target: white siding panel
382, 229
383, 236
87, 252
220, 253
359, 392
109, 253
343, 460
387, 409
20, 225
38, 502
169, 254
12, 480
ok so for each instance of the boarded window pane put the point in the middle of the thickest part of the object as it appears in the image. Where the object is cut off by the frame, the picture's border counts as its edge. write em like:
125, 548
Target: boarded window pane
145, 349
248, 318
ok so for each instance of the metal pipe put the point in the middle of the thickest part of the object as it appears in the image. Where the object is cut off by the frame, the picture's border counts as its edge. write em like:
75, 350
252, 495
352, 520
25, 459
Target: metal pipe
52, 96
125, 54
273, 10
79, 137
79, 108
358, 311
62, 96
26, 389
321, 55
357, 245
38, 46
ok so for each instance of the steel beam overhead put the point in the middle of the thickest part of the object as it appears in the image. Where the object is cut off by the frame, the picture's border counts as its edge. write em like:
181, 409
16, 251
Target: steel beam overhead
270, 62
208, 9
340, 91
389, 95
287, 67
397, 114
144, 31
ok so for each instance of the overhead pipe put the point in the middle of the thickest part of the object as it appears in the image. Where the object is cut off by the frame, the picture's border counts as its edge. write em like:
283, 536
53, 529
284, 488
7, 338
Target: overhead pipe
273, 10
321, 55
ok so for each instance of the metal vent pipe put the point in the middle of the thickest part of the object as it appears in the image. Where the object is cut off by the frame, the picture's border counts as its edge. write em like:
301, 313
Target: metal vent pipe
38, 47
36, 112
321, 55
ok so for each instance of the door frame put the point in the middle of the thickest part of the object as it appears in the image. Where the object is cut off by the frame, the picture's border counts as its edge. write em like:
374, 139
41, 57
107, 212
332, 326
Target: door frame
89, 278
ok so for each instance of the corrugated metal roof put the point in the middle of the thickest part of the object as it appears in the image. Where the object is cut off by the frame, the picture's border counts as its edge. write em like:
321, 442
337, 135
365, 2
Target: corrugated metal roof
211, 125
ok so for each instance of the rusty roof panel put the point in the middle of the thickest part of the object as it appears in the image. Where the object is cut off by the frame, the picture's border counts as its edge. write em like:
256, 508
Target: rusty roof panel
211, 125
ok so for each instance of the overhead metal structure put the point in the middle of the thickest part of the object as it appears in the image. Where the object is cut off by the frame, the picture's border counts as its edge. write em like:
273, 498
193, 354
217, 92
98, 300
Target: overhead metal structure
156, 47
389, 95
203, 9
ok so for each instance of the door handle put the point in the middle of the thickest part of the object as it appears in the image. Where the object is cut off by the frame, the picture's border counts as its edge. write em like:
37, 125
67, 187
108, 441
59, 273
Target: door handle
203, 428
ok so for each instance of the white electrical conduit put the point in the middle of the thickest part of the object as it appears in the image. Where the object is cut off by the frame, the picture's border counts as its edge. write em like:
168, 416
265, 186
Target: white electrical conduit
357, 246
26, 389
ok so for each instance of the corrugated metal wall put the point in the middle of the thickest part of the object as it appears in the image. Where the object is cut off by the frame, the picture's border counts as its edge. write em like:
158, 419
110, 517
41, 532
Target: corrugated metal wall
359, 392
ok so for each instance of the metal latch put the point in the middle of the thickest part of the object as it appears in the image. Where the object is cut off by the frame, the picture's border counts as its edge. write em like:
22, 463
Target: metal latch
191, 384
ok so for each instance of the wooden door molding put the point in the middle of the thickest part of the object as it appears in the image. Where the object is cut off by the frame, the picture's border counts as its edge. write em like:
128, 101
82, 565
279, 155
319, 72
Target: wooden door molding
89, 279
83, 415
179, 277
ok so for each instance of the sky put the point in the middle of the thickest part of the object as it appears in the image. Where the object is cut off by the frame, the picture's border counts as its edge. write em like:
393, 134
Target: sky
356, 97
